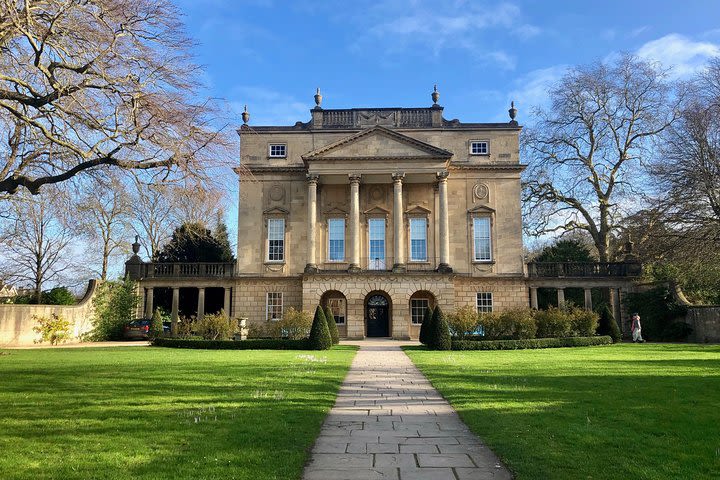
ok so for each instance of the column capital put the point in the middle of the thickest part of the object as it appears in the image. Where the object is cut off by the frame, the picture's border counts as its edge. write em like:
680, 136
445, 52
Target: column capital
398, 176
442, 175
312, 177
354, 177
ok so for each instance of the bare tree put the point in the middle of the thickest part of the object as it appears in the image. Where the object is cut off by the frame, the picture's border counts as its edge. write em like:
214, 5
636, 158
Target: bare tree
104, 217
152, 212
91, 84
587, 150
688, 171
37, 241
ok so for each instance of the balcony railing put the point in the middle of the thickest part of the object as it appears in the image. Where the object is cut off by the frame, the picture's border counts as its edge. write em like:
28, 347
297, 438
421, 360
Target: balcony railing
381, 265
180, 270
584, 269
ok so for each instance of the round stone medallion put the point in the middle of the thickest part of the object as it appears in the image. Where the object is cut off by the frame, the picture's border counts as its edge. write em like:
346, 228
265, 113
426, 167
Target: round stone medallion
277, 192
480, 191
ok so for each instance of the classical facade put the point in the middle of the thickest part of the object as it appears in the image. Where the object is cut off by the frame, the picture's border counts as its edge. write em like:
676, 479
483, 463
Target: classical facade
378, 213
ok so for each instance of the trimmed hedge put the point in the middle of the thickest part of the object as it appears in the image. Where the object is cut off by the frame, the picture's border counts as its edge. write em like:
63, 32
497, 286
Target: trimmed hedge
530, 343
320, 338
332, 326
251, 344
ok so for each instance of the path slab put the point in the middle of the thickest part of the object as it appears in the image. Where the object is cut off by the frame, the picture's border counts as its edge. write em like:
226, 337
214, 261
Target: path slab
389, 422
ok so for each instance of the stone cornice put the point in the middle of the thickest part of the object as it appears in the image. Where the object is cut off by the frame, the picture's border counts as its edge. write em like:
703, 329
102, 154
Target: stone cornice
513, 167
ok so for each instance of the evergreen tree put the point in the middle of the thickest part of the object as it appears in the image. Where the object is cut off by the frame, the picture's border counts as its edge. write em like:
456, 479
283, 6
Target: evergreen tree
156, 324
425, 326
439, 337
320, 338
192, 242
607, 324
332, 326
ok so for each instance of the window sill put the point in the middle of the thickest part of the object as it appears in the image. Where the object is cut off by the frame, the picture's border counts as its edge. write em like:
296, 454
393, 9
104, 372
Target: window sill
479, 154
483, 262
271, 158
274, 262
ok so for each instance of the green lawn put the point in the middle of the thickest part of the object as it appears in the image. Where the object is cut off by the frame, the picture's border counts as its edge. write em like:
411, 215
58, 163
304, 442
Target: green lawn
155, 413
618, 412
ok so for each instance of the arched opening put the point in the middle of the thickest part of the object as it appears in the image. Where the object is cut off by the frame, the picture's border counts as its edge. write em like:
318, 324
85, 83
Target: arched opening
419, 302
338, 305
377, 314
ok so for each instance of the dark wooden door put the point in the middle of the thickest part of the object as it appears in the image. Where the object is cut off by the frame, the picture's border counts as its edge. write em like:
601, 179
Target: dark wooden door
378, 323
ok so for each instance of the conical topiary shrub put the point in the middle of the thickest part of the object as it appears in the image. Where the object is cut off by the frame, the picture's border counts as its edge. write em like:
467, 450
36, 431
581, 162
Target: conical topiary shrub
425, 326
156, 324
439, 337
607, 324
320, 338
332, 326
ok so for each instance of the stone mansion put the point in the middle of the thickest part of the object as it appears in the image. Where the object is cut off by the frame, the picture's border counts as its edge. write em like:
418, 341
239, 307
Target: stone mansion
377, 213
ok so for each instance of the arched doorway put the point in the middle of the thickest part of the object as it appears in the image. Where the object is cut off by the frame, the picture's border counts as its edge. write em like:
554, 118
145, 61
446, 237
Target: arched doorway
377, 315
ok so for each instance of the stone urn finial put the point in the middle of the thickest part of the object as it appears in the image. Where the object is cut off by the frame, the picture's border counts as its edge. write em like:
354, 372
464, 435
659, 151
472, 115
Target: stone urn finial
435, 95
512, 112
136, 245
246, 116
318, 97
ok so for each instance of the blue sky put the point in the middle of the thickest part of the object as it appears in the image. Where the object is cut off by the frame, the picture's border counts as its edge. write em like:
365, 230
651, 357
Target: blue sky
271, 55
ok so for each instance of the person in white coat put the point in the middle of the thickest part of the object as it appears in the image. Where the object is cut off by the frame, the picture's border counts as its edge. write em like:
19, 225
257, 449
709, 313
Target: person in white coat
636, 328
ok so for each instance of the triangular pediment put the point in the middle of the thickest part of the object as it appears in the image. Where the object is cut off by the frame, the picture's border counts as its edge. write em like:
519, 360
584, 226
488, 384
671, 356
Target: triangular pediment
377, 211
276, 211
481, 209
417, 210
378, 143
335, 211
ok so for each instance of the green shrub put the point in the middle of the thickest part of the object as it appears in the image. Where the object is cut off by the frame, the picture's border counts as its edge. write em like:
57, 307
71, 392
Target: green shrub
294, 324
676, 332
492, 327
463, 321
320, 338
553, 322
115, 303
156, 324
583, 323
53, 329
253, 344
425, 326
530, 343
607, 324
519, 322
439, 335
332, 326
186, 326
215, 326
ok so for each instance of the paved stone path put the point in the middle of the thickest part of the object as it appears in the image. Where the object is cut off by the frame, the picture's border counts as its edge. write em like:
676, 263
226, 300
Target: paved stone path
389, 423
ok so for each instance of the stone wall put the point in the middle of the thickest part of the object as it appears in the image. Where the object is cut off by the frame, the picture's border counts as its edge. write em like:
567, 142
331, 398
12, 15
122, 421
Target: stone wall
705, 322
507, 292
250, 296
16, 321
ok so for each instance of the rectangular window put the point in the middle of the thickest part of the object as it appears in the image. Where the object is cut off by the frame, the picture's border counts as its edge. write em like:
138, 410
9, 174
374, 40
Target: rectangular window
484, 302
479, 147
418, 240
274, 306
481, 239
417, 309
376, 244
337, 305
276, 239
336, 239
278, 150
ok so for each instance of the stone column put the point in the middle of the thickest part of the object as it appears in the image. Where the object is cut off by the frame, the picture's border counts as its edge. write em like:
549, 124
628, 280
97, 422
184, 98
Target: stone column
588, 299
398, 224
533, 298
354, 222
312, 223
561, 296
444, 265
226, 302
201, 303
174, 311
149, 302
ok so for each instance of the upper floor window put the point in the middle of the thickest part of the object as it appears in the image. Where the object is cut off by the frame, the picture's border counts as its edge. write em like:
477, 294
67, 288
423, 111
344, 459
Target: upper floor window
278, 150
376, 244
276, 239
479, 147
336, 239
418, 239
482, 242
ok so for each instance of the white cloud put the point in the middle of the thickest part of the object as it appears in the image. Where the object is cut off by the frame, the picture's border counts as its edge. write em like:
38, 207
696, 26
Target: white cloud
532, 89
682, 55
268, 107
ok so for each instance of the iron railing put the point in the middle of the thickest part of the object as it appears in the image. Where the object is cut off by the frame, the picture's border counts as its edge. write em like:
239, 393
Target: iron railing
584, 269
